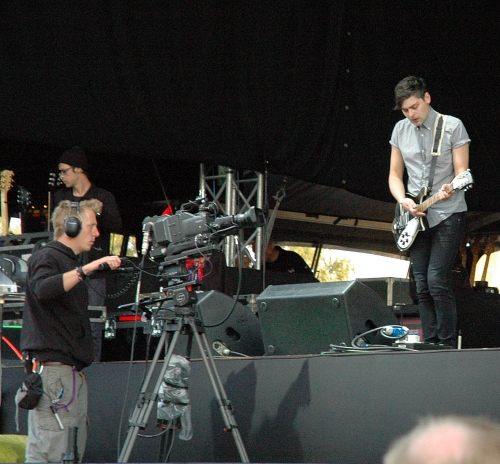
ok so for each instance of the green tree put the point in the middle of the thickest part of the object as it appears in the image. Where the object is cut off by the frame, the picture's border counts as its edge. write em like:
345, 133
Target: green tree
335, 270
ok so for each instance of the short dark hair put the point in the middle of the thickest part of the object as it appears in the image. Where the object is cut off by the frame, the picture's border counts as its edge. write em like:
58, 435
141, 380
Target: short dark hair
410, 86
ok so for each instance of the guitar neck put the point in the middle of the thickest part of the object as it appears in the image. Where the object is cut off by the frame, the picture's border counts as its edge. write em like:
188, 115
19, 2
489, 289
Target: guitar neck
489, 248
426, 204
49, 209
5, 214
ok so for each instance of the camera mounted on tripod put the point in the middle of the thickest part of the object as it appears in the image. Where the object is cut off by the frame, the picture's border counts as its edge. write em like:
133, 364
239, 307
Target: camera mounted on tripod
176, 241
195, 229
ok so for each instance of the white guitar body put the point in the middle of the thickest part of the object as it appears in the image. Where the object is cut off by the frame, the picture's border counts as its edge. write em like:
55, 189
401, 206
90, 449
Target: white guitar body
406, 238
405, 226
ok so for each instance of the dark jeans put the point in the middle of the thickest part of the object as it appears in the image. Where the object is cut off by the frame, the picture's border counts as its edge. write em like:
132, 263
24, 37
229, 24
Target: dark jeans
433, 254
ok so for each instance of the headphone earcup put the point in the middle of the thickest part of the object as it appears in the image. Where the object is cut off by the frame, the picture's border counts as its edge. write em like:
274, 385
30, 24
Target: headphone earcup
72, 226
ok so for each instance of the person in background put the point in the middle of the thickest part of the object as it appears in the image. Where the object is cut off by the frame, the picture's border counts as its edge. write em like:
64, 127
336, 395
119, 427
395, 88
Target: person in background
280, 260
448, 440
56, 331
73, 169
434, 250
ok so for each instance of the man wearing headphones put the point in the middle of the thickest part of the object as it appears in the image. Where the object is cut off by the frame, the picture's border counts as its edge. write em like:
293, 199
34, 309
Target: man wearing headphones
73, 168
56, 330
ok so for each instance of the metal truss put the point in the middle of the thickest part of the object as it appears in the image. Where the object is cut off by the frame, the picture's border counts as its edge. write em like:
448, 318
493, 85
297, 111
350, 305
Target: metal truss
235, 194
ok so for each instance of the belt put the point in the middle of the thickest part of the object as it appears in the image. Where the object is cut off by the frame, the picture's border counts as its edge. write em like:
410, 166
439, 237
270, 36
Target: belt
54, 363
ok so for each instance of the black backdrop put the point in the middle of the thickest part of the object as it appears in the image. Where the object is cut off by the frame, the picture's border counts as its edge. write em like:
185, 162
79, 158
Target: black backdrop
302, 88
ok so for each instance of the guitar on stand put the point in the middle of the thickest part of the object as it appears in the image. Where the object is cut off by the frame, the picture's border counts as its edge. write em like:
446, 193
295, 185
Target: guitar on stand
23, 202
54, 184
475, 251
5, 185
489, 248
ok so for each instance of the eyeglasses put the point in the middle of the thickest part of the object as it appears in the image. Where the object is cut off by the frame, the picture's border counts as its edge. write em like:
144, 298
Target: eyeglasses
63, 172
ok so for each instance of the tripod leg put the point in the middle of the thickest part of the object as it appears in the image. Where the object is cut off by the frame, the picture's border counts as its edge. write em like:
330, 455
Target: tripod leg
220, 394
147, 400
166, 441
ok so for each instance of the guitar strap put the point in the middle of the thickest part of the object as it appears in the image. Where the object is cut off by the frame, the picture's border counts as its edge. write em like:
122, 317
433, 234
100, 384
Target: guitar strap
436, 147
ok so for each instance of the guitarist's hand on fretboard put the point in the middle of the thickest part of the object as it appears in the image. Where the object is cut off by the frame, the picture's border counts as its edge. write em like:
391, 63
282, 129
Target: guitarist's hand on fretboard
409, 205
445, 192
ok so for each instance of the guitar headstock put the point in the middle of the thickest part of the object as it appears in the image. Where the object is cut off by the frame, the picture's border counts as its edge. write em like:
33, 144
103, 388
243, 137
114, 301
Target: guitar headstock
23, 198
6, 180
463, 181
54, 181
490, 244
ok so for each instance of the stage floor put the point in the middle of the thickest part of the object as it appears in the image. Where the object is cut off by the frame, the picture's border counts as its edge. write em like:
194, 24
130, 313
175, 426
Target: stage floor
343, 408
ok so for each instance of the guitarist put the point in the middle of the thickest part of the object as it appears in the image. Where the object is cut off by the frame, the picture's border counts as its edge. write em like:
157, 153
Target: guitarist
435, 248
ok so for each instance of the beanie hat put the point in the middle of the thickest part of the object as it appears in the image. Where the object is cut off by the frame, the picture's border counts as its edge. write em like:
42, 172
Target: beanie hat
75, 157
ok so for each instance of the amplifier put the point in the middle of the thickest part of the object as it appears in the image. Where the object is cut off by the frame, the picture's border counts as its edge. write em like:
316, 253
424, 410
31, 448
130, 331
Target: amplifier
394, 290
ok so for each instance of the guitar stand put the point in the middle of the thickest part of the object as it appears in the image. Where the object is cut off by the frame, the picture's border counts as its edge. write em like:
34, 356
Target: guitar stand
183, 323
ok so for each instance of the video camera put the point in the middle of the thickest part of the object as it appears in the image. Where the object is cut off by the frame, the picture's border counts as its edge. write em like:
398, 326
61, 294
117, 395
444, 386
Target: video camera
195, 228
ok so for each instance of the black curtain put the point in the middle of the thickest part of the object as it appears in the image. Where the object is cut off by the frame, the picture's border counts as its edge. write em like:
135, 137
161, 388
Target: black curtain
302, 88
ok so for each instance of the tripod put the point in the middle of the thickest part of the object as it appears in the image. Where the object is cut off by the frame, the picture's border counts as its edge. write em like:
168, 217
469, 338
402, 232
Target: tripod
182, 322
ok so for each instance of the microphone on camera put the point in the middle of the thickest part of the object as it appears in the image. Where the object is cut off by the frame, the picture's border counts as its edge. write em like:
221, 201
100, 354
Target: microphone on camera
146, 228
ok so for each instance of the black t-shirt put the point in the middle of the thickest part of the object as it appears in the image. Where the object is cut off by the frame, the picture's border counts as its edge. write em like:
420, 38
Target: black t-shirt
290, 262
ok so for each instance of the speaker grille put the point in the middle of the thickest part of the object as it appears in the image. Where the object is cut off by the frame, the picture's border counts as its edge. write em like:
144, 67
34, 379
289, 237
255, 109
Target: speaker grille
307, 318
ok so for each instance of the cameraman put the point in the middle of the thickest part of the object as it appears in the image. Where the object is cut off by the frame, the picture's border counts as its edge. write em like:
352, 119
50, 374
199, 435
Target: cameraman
56, 330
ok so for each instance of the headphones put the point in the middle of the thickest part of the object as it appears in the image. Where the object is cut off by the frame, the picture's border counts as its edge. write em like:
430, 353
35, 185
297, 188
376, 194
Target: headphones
73, 223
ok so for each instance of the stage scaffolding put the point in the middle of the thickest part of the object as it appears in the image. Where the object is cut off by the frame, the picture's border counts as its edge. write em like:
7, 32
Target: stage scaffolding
235, 194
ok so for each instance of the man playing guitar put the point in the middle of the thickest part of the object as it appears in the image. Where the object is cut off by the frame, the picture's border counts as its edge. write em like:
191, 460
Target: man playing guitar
434, 248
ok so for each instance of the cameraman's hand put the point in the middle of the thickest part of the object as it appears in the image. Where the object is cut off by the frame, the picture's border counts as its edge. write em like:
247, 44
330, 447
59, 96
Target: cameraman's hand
112, 261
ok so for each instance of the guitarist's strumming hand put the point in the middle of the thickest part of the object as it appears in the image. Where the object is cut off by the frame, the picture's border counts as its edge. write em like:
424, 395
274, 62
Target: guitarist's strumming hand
409, 205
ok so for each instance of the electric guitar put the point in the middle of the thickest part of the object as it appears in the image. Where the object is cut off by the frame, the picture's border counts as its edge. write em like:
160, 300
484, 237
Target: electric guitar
54, 183
475, 251
5, 185
23, 202
405, 226
489, 248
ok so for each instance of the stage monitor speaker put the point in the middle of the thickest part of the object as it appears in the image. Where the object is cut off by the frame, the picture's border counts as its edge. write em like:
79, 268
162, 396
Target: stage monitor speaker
307, 318
239, 333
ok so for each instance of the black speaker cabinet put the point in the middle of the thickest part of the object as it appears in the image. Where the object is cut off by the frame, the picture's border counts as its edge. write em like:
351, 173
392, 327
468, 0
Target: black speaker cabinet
307, 318
240, 332
395, 291
478, 318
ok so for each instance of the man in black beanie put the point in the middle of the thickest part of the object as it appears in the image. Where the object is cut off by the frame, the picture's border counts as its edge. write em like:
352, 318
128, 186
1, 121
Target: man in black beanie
73, 168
